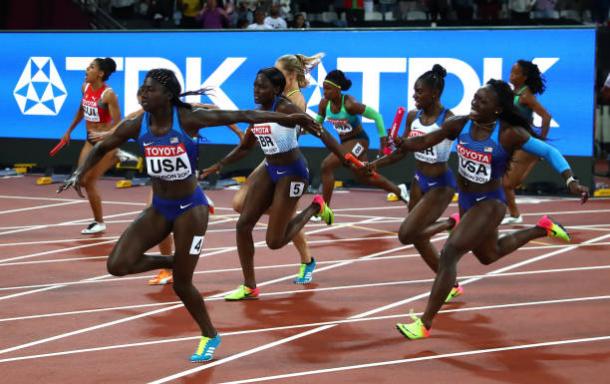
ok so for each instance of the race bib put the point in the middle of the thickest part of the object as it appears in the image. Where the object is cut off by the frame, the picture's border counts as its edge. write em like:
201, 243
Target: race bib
167, 162
90, 111
474, 166
297, 188
358, 149
265, 139
341, 126
427, 155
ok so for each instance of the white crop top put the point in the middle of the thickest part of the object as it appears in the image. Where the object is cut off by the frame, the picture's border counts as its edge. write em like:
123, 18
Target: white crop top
274, 138
438, 153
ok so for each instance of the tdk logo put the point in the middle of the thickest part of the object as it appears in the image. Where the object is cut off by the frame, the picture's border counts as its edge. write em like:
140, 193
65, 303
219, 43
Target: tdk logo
40, 90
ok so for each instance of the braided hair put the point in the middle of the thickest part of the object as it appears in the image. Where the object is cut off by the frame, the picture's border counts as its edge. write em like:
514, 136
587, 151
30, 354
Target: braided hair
533, 77
167, 78
435, 78
510, 113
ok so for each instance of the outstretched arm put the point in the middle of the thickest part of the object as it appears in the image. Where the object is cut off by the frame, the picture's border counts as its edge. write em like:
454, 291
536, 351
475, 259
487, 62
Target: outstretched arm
200, 118
555, 158
127, 129
238, 153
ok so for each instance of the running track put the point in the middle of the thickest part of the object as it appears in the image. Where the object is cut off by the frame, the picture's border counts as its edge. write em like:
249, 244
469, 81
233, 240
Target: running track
540, 315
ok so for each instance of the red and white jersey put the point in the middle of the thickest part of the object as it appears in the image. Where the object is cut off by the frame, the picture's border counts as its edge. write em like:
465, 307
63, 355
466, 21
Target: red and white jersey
438, 153
93, 108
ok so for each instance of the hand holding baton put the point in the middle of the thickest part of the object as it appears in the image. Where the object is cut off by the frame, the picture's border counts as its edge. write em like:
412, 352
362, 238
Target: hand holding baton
62, 143
400, 112
359, 164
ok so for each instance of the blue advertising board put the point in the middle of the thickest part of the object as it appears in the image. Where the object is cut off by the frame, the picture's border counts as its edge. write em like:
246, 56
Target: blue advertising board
42, 73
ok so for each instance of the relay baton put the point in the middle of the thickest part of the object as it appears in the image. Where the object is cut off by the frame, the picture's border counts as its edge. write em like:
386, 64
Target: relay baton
352, 159
400, 112
56, 148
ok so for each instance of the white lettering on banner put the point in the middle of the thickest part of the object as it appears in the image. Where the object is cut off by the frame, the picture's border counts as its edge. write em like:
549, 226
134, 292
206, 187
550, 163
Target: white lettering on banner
80, 63
167, 162
371, 68
492, 69
215, 80
133, 67
474, 166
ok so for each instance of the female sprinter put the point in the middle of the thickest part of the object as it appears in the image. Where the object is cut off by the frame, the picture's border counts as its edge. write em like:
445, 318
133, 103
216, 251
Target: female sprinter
487, 138
343, 112
294, 68
527, 82
433, 184
168, 132
100, 108
280, 186
166, 246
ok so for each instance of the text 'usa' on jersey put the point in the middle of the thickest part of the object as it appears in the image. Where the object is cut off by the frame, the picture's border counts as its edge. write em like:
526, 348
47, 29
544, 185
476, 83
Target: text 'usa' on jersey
172, 156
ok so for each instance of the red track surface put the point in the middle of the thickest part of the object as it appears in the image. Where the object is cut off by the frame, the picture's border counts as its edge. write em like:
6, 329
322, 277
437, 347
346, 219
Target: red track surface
540, 315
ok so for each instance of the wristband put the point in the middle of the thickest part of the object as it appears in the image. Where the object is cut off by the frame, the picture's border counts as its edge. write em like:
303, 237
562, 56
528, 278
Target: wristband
569, 180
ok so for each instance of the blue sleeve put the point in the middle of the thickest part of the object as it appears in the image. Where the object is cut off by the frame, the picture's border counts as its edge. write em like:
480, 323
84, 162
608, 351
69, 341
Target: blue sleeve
549, 153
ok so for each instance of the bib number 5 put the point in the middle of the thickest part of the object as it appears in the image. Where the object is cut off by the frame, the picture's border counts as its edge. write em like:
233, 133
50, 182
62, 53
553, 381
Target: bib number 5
297, 188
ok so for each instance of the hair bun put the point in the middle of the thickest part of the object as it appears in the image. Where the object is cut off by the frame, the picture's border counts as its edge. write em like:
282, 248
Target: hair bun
438, 69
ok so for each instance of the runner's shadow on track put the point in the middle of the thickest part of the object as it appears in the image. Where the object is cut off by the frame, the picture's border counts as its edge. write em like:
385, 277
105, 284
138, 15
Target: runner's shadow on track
519, 366
354, 248
298, 308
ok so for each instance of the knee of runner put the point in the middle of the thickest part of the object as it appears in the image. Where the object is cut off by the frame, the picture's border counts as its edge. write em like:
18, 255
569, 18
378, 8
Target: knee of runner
244, 226
407, 237
181, 287
117, 268
274, 243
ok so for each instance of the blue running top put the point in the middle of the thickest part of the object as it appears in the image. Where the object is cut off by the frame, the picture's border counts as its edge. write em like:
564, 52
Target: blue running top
172, 156
481, 161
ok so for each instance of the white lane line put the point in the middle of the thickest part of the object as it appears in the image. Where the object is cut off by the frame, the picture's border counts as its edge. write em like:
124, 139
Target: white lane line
39, 242
71, 222
424, 358
16, 210
361, 315
311, 290
49, 288
68, 199
161, 310
311, 242
305, 325
56, 251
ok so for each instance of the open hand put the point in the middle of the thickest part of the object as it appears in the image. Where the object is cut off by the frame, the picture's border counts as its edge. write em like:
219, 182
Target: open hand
215, 168
74, 181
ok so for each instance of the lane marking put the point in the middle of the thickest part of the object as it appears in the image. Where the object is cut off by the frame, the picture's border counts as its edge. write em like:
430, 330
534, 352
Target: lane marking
310, 290
361, 315
424, 358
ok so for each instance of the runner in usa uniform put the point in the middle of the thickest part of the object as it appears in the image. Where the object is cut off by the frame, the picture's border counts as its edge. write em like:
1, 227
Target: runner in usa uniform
294, 68
280, 187
166, 132
100, 109
343, 112
433, 184
486, 139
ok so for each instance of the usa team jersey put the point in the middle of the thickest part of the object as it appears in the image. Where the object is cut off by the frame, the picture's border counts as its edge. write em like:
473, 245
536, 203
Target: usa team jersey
172, 156
481, 161
93, 109
438, 153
